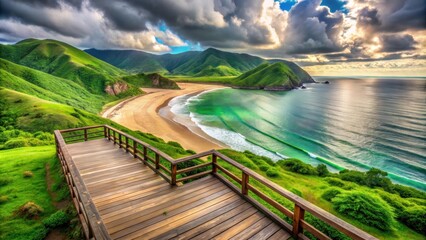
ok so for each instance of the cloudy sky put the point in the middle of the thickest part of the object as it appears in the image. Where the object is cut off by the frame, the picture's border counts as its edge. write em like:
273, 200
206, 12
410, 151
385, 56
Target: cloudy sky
326, 37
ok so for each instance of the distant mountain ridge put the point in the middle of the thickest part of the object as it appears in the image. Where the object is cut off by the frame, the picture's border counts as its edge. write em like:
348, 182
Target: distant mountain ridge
210, 62
279, 75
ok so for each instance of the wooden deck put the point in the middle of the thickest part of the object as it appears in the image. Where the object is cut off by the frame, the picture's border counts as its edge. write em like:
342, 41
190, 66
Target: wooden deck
136, 203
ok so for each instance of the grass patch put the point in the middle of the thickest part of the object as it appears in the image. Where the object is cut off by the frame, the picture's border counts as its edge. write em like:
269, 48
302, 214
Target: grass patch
25, 202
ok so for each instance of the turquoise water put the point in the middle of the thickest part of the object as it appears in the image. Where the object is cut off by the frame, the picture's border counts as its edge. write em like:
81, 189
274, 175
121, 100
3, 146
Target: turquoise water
350, 123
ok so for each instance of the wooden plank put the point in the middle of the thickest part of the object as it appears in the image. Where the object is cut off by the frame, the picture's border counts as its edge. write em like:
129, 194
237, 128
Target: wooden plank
164, 223
138, 187
280, 235
253, 229
156, 214
213, 223
173, 233
266, 232
154, 198
223, 226
244, 224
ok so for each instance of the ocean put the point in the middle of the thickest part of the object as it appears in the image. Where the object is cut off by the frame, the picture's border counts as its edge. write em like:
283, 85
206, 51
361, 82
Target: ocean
353, 123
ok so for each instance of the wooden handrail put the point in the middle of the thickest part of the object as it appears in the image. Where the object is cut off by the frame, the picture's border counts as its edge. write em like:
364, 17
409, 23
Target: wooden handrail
300, 205
93, 225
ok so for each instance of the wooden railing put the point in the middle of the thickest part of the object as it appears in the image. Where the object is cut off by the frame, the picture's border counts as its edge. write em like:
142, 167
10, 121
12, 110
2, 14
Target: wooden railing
168, 168
92, 224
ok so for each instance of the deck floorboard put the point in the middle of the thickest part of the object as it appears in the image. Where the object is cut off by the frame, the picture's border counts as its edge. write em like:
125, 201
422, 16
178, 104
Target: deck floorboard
136, 203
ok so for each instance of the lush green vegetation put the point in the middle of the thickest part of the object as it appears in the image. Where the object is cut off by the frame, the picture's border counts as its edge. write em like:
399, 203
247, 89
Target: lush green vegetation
62, 60
26, 201
48, 87
373, 209
150, 80
273, 76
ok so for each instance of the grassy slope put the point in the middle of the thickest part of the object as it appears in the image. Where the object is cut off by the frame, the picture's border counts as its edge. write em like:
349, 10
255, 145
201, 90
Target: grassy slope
48, 87
20, 190
34, 114
62, 60
269, 75
224, 62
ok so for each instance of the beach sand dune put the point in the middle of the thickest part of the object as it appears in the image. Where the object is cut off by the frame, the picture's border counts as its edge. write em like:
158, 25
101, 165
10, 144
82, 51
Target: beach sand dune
142, 113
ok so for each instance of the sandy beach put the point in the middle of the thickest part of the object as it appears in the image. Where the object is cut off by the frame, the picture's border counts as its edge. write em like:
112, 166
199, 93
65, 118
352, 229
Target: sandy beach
150, 113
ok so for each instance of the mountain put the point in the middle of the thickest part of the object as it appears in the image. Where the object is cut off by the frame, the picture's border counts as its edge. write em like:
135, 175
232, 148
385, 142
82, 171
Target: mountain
208, 63
65, 61
219, 62
270, 76
138, 61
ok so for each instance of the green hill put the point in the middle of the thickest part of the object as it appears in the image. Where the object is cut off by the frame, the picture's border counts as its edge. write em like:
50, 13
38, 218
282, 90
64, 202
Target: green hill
275, 76
48, 87
63, 60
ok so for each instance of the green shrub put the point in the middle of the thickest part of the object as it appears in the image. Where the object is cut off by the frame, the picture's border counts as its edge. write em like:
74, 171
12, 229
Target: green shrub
3, 199
377, 178
174, 144
29, 210
365, 208
4, 181
408, 192
192, 152
394, 201
335, 182
28, 174
352, 176
263, 168
297, 166
414, 218
16, 143
57, 219
273, 173
330, 193
322, 170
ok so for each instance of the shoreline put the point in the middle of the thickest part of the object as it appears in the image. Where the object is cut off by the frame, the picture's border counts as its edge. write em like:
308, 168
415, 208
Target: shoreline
151, 113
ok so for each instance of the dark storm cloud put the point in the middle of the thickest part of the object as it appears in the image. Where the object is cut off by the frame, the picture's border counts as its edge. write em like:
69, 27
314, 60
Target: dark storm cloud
208, 22
393, 16
313, 29
33, 12
122, 15
51, 3
397, 43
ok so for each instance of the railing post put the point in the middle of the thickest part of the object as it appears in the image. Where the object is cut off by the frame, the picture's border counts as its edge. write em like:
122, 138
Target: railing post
244, 183
105, 132
113, 136
119, 140
145, 155
299, 214
135, 147
214, 162
109, 134
157, 161
85, 134
174, 170
127, 143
